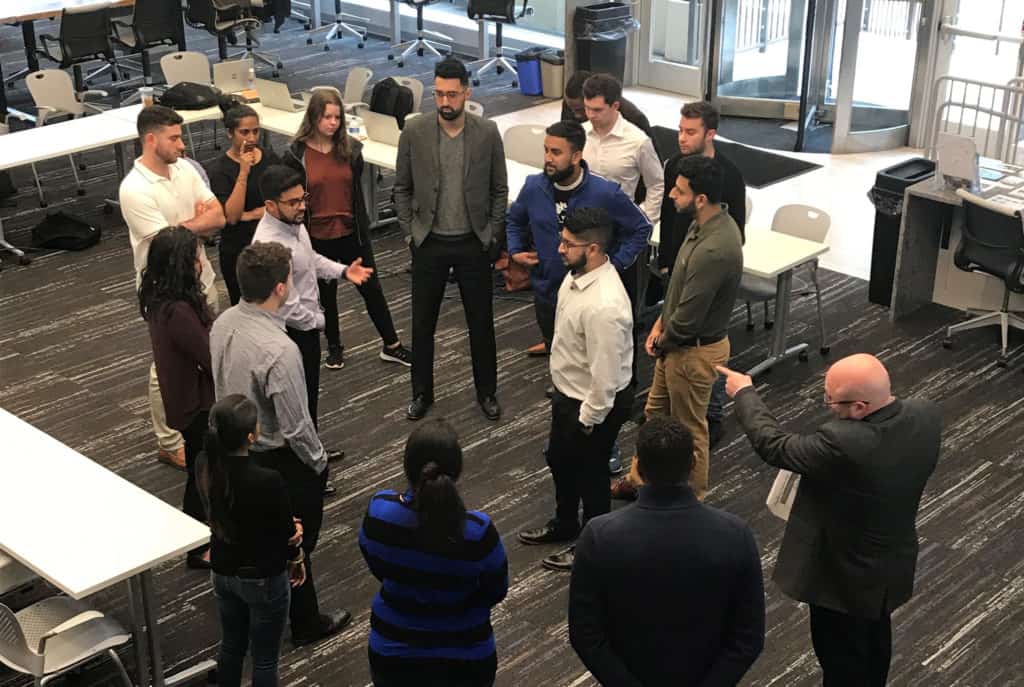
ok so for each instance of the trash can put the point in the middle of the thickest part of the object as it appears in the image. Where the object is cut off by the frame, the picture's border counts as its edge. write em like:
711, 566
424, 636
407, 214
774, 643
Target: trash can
887, 197
528, 70
600, 31
552, 72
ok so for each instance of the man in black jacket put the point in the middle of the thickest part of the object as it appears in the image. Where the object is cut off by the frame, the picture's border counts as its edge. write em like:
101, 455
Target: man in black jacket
850, 548
694, 614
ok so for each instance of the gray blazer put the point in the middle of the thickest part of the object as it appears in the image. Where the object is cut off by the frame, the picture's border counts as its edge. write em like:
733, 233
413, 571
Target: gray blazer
418, 176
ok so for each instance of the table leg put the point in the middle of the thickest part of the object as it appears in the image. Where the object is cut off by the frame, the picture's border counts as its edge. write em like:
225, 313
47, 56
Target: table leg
149, 610
778, 351
138, 635
396, 22
28, 35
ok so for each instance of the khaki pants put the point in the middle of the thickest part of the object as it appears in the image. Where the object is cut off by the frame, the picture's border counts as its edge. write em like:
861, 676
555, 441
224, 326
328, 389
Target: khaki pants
168, 439
682, 388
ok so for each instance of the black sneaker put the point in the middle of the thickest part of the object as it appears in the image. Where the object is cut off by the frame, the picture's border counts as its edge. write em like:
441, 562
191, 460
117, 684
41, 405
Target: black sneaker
551, 532
399, 354
335, 358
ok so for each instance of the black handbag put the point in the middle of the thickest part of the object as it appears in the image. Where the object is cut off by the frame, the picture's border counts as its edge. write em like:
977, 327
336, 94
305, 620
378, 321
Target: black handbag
63, 231
190, 96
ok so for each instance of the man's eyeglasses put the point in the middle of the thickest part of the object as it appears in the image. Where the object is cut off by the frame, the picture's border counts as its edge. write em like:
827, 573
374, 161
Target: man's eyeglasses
294, 202
448, 95
574, 244
829, 402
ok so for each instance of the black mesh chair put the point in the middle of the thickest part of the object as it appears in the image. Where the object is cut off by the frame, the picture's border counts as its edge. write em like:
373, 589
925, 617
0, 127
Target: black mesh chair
153, 23
342, 25
421, 44
222, 18
84, 37
992, 243
500, 12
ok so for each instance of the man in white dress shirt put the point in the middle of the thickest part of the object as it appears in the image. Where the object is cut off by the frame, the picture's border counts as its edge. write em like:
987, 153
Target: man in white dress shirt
591, 367
164, 190
617, 149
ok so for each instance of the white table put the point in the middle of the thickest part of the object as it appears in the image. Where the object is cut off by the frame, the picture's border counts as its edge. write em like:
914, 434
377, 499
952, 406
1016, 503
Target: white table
83, 528
773, 255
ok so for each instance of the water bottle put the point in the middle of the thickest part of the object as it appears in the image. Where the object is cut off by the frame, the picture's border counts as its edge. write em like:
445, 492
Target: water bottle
252, 78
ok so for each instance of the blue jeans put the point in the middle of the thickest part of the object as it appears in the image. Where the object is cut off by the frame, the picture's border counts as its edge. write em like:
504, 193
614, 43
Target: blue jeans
716, 405
251, 611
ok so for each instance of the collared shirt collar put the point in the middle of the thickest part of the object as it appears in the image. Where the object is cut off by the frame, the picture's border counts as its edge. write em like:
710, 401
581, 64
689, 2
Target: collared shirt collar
254, 310
277, 225
151, 176
885, 412
616, 130
700, 231
666, 497
581, 282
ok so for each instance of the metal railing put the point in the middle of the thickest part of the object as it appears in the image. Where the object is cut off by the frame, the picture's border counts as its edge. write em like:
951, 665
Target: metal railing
990, 113
761, 22
891, 18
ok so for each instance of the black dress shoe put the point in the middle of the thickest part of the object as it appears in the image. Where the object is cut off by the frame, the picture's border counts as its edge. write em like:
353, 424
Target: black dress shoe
330, 624
550, 533
278, 23
561, 561
418, 407
489, 405
334, 454
330, 489
715, 432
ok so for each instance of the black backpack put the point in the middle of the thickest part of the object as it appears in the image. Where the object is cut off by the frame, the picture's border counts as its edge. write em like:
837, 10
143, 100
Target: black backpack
61, 231
391, 98
191, 96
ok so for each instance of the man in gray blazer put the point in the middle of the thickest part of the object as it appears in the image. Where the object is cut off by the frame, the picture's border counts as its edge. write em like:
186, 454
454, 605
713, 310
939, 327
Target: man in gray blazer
850, 548
451, 194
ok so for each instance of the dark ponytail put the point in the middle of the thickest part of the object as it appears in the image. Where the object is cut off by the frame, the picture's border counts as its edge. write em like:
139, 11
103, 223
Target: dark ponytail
433, 463
232, 420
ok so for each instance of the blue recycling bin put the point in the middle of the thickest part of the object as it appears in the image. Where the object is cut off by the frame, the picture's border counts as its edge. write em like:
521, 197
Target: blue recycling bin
528, 71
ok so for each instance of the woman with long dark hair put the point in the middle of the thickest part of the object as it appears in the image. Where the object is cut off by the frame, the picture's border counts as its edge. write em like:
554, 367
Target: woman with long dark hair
235, 180
254, 548
442, 568
172, 302
336, 218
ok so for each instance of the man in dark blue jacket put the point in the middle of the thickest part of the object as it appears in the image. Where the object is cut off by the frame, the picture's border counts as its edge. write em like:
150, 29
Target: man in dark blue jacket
535, 220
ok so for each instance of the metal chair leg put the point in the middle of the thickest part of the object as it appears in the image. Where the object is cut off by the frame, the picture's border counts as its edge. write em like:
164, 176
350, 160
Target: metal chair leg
39, 186
825, 347
78, 182
768, 324
120, 667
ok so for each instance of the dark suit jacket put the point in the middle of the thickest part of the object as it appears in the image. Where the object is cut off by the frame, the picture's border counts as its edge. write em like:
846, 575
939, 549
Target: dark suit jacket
667, 591
418, 175
851, 541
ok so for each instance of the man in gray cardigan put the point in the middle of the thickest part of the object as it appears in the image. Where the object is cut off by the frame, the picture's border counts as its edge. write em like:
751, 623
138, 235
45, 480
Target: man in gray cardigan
451, 194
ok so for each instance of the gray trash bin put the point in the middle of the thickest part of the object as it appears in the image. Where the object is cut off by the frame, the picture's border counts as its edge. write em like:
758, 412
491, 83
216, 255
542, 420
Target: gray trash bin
601, 32
552, 72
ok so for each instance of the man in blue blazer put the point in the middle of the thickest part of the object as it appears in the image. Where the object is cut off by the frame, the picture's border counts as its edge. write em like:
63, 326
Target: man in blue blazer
535, 220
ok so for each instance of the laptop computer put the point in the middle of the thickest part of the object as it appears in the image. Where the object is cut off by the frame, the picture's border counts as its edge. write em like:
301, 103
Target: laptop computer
275, 95
381, 127
232, 76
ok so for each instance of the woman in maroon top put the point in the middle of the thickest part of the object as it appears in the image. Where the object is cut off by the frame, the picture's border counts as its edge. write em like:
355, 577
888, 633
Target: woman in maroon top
171, 301
336, 218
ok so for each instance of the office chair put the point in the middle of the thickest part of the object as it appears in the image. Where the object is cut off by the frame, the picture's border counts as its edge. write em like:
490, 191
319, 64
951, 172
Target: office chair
421, 44
194, 67
355, 88
223, 17
525, 143
992, 243
341, 26
500, 12
84, 37
473, 107
153, 23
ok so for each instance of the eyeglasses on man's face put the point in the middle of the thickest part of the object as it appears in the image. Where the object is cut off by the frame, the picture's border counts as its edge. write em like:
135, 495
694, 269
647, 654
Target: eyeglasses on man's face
448, 95
567, 244
293, 202
827, 400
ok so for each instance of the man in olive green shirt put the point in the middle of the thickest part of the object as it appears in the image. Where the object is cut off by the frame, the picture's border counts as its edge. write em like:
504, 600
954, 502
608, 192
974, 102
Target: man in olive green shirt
691, 336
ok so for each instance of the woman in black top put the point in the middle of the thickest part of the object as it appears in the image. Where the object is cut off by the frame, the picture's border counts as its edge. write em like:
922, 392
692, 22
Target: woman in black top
235, 180
254, 549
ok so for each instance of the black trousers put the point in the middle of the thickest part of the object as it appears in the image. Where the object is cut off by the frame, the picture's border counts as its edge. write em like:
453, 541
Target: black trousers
545, 314
308, 341
345, 250
579, 462
192, 503
306, 491
431, 263
852, 651
227, 255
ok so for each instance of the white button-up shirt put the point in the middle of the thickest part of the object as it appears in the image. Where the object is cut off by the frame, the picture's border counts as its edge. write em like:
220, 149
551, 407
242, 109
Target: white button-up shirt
625, 155
302, 309
150, 202
592, 352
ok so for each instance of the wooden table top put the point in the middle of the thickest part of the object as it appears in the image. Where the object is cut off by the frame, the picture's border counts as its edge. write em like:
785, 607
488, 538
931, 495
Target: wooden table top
29, 10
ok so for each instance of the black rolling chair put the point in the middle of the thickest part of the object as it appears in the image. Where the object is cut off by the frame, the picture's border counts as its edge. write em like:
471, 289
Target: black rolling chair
153, 23
84, 37
222, 18
421, 44
991, 242
500, 12
341, 26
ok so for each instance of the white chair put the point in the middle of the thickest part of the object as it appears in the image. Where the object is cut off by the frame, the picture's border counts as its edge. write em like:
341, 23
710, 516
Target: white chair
801, 221
193, 67
54, 95
473, 107
355, 87
55, 635
414, 85
525, 143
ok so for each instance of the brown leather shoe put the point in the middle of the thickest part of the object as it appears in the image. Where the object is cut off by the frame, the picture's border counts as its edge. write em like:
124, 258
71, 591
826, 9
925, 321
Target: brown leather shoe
624, 490
176, 459
538, 350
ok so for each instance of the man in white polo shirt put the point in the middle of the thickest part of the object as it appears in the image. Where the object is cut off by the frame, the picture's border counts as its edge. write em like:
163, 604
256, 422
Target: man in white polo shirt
160, 192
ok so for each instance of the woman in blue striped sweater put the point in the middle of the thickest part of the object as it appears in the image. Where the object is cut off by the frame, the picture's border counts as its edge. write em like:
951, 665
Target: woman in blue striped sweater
442, 568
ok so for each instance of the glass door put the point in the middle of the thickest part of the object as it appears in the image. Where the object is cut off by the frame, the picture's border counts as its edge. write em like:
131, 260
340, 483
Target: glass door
673, 45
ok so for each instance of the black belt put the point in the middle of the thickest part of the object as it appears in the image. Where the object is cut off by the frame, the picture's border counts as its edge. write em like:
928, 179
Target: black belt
250, 572
699, 341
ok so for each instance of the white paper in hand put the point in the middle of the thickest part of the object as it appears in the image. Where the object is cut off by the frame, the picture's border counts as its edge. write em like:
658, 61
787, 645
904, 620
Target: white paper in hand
783, 493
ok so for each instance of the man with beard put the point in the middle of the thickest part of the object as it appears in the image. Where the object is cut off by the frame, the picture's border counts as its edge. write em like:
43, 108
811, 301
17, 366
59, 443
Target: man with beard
451, 195
691, 337
161, 191
542, 206
591, 367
